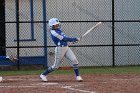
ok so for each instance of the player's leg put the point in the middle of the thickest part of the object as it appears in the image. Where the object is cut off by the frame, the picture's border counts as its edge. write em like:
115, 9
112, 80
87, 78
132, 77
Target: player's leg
59, 54
71, 56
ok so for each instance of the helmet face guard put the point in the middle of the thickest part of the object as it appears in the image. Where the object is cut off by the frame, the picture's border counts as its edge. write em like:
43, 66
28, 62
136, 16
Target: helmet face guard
53, 22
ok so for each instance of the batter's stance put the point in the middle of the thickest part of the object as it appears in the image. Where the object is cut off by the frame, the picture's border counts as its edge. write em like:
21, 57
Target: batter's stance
61, 50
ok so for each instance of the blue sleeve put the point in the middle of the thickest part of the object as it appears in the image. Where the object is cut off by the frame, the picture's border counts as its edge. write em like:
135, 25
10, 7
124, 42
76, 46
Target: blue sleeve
66, 38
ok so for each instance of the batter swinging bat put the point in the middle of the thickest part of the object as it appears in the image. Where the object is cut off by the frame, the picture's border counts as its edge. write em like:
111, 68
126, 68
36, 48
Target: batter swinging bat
88, 31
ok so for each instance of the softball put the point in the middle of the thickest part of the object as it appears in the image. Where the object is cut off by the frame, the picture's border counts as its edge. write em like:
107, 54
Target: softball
1, 79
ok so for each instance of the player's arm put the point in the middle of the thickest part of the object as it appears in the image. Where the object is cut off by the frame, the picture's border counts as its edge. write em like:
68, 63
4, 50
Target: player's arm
70, 39
63, 37
53, 32
66, 38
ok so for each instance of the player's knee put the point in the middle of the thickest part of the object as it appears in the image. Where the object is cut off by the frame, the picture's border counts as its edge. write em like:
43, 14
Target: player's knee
55, 67
75, 61
75, 66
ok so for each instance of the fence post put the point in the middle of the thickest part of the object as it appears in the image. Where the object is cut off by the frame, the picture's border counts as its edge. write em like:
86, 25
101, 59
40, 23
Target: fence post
17, 30
2, 30
113, 35
45, 29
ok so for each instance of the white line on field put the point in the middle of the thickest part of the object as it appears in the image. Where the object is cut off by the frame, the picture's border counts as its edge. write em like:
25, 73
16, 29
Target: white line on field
20, 86
120, 79
30, 85
84, 91
44, 84
126, 79
22, 79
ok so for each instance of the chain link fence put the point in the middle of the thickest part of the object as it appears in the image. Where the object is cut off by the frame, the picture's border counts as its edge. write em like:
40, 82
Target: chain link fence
114, 43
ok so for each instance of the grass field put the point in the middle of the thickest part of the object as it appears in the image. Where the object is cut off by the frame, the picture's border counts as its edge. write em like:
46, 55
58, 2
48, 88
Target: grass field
94, 70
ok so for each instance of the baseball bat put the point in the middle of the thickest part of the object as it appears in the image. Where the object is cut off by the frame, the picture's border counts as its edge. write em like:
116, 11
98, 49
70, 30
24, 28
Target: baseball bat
88, 31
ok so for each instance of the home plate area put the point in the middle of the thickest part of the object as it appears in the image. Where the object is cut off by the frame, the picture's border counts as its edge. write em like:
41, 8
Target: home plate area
107, 83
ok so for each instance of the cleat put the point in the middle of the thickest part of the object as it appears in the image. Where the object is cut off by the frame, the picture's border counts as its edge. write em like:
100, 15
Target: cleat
79, 78
43, 78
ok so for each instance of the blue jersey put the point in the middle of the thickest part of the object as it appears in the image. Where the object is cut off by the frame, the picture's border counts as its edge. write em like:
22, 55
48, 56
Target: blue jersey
60, 39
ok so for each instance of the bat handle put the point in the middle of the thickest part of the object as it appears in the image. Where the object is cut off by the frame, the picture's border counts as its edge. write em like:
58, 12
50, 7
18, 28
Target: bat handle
77, 41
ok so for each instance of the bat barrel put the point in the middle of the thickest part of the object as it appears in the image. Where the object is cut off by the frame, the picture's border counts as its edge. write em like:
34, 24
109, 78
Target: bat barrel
88, 31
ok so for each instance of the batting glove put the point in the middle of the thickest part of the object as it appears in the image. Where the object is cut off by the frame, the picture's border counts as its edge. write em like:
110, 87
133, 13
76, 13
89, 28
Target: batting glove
78, 39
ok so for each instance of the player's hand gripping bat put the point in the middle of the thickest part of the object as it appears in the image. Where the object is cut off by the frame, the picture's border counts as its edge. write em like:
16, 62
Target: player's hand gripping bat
91, 29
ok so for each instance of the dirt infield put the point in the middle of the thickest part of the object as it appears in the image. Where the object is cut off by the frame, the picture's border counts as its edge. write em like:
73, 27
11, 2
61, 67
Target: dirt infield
95, 83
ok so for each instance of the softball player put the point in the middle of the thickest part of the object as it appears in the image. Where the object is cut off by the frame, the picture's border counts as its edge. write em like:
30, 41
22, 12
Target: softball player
61, 50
